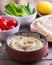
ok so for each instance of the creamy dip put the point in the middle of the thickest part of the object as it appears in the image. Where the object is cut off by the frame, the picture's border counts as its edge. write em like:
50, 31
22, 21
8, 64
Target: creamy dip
25, 43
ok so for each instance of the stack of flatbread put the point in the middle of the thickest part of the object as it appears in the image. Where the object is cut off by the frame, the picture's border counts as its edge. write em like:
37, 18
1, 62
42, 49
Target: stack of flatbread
43, 25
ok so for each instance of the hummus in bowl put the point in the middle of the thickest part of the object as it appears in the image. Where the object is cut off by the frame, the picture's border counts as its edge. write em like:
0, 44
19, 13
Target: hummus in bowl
26, 46
25, 43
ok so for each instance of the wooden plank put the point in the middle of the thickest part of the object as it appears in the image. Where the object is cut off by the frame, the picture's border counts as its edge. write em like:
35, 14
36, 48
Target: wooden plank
3, 55
48, 57
11, 62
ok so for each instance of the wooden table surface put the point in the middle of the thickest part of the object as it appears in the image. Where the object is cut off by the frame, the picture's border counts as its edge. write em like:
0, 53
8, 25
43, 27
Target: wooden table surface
6, 60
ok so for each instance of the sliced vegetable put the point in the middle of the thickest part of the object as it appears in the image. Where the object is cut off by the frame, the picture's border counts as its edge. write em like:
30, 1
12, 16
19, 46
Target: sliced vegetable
14, 5
25, 9
30, 8
11, 9
19, 10
9, 12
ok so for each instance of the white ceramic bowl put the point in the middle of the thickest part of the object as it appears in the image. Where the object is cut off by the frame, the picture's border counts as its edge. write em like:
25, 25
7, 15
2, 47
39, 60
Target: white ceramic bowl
25, 20
6, 33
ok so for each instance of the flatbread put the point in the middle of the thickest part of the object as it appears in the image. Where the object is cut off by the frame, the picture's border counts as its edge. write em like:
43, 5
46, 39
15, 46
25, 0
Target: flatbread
43, 25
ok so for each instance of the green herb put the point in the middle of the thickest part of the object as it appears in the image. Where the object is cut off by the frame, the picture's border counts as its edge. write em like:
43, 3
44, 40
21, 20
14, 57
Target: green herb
11, 9
24, 48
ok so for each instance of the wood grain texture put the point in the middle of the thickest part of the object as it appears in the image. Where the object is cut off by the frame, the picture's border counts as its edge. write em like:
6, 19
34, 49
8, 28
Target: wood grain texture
11, 62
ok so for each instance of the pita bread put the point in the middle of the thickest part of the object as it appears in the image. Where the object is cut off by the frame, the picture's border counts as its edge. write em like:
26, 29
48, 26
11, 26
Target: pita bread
43, 25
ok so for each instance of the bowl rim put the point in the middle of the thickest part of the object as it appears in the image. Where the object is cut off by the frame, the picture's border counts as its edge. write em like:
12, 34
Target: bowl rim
46, 42
13, 28
24, 16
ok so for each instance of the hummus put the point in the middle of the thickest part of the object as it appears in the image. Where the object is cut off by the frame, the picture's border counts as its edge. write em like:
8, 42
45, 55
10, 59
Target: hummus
25, 43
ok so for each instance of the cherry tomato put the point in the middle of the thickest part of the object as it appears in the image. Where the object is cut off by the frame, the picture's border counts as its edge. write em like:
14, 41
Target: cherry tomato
13, 22
3, 25
0, 24
11, 27
4, 19
7, 25
1, 19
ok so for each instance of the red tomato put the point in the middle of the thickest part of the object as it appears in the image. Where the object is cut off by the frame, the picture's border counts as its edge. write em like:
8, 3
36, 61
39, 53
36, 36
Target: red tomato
7, 25
11, 27
0, 24
13, 22
3, 25
1, 19
4, 19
